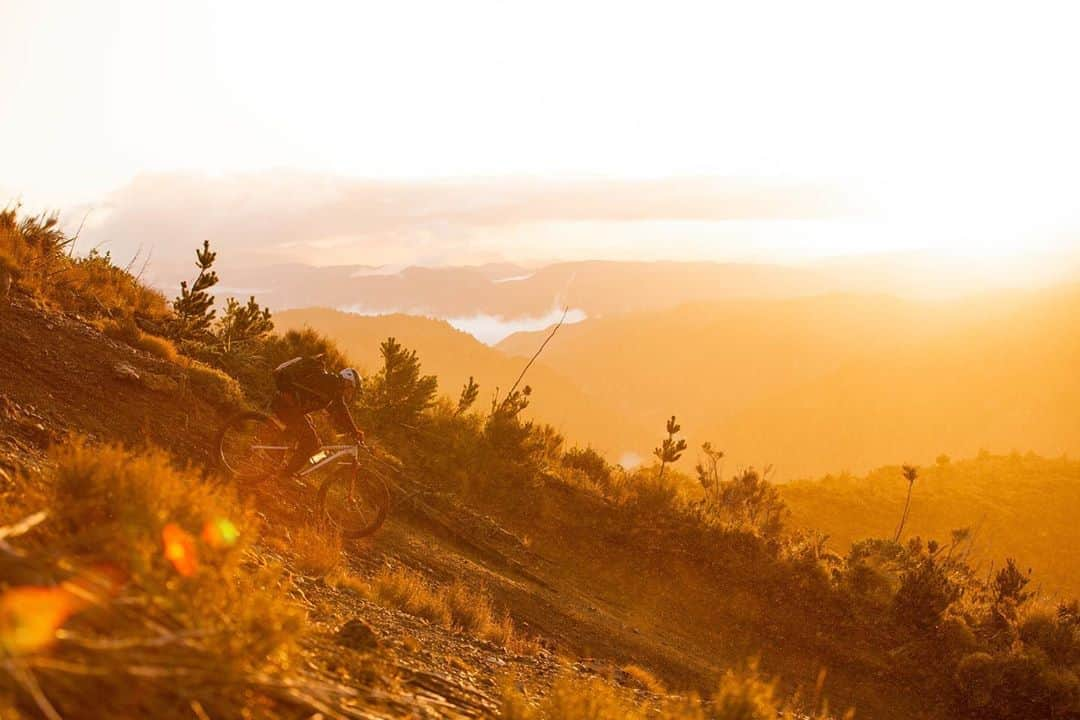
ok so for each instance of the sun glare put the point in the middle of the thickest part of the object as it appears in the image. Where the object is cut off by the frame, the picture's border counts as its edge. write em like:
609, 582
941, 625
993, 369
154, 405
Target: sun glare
951, 127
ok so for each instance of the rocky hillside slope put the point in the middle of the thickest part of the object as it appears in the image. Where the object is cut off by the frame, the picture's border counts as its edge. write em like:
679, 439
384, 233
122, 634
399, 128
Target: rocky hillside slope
583, 601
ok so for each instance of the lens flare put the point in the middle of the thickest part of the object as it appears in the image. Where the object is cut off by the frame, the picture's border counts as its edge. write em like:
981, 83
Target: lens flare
220, 533
180, 549
30, 617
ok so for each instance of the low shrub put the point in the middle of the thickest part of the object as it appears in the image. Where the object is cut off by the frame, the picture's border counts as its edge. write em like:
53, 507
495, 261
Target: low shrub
1015, 686
926, 591
342, 579
470, 610
198, 624
591, 463
746, 695
645, 491
213, 385
94, 286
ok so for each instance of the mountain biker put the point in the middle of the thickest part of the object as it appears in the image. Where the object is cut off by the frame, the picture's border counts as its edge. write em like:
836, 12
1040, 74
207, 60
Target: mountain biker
305, 386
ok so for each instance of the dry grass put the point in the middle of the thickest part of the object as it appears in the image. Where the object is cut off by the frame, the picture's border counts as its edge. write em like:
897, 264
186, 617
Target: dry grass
457, 605
126, 331
315, 552
38, 252
35, 253
645, 679
342, 579
742, 695
157, 346
573, 698
471, 610
408, 591
198, 622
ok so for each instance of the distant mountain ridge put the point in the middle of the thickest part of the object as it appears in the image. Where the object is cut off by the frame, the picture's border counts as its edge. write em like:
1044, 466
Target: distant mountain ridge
595, 288
841, 381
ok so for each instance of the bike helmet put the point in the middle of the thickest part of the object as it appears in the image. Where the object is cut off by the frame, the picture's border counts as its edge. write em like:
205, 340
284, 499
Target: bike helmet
352, 380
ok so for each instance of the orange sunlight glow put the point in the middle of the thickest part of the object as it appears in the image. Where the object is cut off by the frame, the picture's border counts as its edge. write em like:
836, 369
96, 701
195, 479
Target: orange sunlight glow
953, 123
220, 533
30, 616
180, 549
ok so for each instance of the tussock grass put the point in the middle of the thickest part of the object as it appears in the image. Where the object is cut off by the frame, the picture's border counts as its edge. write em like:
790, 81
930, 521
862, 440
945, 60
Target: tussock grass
741, 695
407, 590
342, 579
126, 331
157, 346
575, 699
471, 610
153, 568
457, 605
315, 552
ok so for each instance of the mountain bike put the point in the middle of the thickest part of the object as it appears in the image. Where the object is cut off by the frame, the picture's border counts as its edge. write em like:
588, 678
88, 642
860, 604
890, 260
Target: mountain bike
353, 499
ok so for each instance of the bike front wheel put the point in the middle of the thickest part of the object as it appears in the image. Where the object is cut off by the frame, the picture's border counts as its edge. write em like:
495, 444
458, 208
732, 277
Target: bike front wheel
253, 446
353, 503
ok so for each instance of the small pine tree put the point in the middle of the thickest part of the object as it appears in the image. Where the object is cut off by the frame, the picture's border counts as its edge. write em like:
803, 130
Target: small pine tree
513, 404
519, 450
505, 429
671, 449
243, 324
468, 396
194, 307
1009, 583
399, 392
709, 474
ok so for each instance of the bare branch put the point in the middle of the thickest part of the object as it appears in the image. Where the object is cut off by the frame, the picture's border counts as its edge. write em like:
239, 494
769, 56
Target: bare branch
539, 350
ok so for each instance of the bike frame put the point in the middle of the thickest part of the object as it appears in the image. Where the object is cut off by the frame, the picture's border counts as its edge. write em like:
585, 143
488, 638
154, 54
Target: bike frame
336, 452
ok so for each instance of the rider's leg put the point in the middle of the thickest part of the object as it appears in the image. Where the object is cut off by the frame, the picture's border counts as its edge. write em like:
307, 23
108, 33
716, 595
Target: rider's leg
298, 426
304, 430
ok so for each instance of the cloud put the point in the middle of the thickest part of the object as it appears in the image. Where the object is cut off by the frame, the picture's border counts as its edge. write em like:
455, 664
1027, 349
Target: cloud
280, 216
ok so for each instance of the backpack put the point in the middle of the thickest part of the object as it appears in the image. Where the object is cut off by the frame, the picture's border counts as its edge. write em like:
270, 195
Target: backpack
288, 373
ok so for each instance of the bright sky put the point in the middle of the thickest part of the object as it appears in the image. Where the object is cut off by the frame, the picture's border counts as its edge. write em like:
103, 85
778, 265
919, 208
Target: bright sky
956, 123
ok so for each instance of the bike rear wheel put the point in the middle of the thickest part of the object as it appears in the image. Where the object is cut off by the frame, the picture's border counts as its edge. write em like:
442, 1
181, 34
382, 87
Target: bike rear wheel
253, 446
352, 502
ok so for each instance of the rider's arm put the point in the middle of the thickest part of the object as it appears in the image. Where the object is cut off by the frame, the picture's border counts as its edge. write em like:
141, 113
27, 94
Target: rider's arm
343, 419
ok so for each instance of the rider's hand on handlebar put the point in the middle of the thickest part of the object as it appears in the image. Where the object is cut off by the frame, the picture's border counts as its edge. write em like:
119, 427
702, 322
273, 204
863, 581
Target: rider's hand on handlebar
360, 438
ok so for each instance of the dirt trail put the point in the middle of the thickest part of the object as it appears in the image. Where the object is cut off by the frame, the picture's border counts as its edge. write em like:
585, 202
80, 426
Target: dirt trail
434, 671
